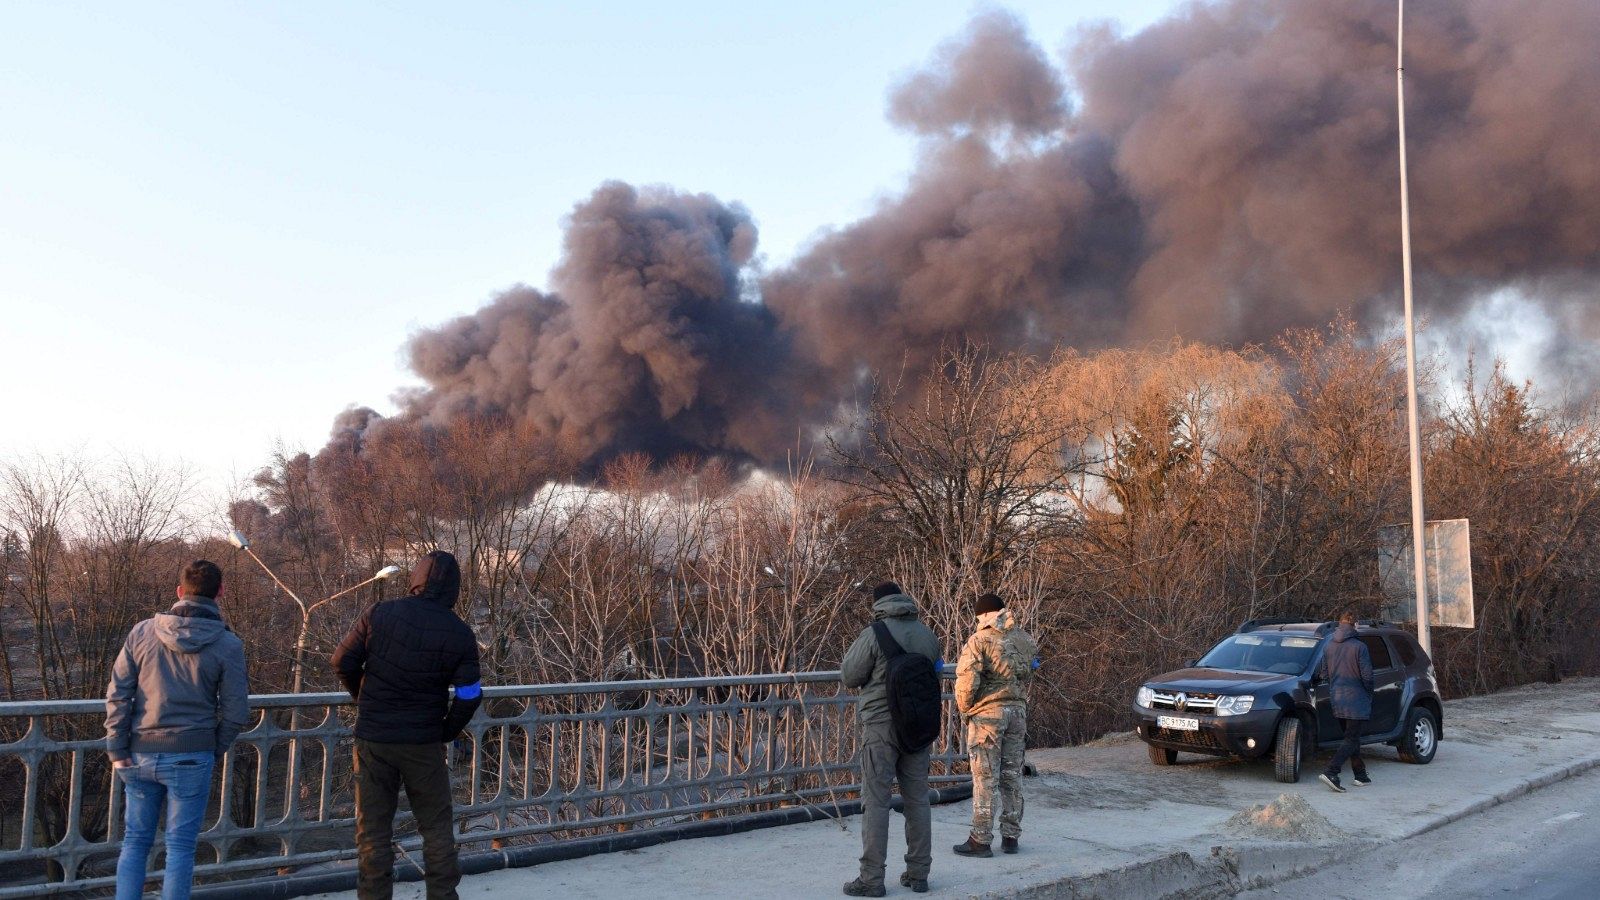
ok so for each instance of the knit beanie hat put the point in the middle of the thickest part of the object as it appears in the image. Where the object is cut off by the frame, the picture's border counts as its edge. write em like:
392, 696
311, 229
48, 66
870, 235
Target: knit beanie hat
988, 603
886, 589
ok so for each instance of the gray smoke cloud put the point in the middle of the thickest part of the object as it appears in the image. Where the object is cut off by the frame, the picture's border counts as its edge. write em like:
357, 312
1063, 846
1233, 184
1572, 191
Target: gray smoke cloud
1221, 175
993, 79
647, 343
1258, 139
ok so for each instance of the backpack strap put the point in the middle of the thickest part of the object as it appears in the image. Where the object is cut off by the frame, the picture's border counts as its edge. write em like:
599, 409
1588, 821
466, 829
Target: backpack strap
886, 642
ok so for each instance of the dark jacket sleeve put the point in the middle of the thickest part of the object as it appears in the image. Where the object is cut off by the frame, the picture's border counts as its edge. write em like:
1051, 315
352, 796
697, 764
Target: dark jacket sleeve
1366, 669
233, 697
119, 705
350, 659
469, 691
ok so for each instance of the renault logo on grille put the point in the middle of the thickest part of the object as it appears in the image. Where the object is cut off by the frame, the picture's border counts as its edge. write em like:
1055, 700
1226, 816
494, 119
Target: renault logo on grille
1181, 701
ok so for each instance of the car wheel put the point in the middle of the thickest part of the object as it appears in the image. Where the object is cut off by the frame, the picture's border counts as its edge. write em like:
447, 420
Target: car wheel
1288, 750
1420, 739
1161, 756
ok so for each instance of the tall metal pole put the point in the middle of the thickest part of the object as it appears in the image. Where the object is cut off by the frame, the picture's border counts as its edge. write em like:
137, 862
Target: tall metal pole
1419, 519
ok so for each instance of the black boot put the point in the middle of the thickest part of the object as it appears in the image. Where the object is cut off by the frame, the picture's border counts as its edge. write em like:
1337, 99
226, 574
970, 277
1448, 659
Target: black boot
973, 848
917, 885
1008, 845
859, 888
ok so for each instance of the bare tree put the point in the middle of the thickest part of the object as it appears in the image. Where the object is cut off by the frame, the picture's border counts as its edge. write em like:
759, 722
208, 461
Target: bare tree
1529, 480
38, 499
962, 476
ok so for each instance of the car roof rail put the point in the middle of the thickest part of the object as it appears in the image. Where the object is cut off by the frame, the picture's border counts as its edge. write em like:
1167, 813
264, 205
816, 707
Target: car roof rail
1377, 623
1253, 624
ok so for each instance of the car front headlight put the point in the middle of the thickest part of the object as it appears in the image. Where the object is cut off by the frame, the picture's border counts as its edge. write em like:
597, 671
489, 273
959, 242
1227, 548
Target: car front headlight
1234, 706
1145, 697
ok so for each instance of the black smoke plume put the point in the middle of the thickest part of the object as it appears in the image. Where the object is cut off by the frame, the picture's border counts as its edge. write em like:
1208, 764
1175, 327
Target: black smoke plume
1221, 175
648, 342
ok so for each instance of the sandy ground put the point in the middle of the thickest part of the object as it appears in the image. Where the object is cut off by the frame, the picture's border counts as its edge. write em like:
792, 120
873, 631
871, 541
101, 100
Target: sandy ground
1103, 805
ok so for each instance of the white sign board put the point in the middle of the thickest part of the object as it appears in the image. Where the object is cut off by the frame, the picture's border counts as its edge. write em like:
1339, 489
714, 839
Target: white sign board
1449, 556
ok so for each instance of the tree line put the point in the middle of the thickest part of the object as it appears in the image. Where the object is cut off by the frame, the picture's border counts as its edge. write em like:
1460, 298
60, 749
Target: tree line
1133, 505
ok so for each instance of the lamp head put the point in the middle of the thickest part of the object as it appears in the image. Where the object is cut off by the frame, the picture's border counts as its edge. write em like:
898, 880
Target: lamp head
387, 572
238, 540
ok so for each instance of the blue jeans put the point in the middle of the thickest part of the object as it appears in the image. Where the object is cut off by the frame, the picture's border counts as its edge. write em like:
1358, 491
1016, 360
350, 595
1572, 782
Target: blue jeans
182, 781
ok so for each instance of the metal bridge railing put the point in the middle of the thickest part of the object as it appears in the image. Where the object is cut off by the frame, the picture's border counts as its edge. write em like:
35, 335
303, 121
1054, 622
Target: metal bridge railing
538, 763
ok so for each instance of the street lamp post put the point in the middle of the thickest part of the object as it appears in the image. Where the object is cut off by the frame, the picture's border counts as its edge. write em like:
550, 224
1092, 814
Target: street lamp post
240, 541
291, 787
1419, 518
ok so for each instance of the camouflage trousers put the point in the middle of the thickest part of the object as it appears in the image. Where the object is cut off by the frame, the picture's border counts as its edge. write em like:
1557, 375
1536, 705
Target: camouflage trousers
995, 744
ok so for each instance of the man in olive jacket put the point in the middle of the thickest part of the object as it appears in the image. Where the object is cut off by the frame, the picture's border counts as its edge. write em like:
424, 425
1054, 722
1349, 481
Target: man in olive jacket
882, 763
992, 693
399, 662
1346, 672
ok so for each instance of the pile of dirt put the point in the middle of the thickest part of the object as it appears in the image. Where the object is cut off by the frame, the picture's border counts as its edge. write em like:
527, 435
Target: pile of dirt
1288, 818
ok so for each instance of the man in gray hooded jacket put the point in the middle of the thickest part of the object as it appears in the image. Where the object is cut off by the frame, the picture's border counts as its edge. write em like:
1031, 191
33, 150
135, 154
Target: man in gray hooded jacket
882, 762
177, 699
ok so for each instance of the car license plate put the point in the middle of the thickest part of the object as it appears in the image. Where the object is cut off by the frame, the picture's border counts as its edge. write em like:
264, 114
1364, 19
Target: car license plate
1177, 723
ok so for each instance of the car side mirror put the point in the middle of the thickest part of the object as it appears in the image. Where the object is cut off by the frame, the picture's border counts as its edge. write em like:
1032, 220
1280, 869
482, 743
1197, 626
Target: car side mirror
1190, 663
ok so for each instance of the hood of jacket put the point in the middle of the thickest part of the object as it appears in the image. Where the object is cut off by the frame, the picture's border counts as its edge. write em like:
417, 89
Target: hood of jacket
895, 606
191, 625
437, 578
999, 620
1343, 633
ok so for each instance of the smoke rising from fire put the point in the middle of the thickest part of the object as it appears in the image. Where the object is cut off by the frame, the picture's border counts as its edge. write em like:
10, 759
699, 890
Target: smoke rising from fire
647, 342
1221, 175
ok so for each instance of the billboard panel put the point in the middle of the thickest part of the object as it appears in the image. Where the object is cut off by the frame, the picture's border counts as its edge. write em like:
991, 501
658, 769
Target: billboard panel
1449, 552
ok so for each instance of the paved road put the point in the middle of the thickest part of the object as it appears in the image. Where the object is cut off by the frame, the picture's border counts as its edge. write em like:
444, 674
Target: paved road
1540, 847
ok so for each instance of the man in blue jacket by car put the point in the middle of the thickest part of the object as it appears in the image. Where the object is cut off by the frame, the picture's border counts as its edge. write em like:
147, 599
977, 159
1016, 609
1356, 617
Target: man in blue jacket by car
1346, 672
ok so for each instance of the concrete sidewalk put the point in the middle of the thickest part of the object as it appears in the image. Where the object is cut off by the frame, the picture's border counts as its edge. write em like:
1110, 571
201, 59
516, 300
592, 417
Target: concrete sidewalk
1103, 822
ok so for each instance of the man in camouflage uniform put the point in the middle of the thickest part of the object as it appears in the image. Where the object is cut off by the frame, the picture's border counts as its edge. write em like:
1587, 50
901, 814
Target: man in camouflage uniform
991, 692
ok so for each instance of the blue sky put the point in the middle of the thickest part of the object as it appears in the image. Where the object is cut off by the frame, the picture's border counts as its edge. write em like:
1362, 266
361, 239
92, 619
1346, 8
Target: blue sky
220, 222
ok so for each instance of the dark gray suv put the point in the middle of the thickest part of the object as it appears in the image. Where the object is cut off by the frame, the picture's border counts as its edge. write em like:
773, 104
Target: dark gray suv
1257, 693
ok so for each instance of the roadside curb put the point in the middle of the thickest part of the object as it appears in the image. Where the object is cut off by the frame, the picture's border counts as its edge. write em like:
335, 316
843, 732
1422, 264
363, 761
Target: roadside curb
1175, 876
1265, 865
1549, 777
1260, 867
1235, 868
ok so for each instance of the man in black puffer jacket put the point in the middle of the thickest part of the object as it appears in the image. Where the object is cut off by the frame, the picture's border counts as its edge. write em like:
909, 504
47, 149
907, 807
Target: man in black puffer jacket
399, 662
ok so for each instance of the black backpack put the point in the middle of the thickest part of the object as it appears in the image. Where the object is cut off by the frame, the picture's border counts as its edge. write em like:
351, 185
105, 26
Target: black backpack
916, 705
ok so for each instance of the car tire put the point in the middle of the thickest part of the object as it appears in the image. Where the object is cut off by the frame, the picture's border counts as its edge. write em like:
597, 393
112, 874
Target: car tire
1161, 756
1420, 739
1288, 750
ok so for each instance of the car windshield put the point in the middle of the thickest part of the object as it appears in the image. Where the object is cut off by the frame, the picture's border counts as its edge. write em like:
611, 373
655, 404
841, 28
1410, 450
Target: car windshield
1283, 654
